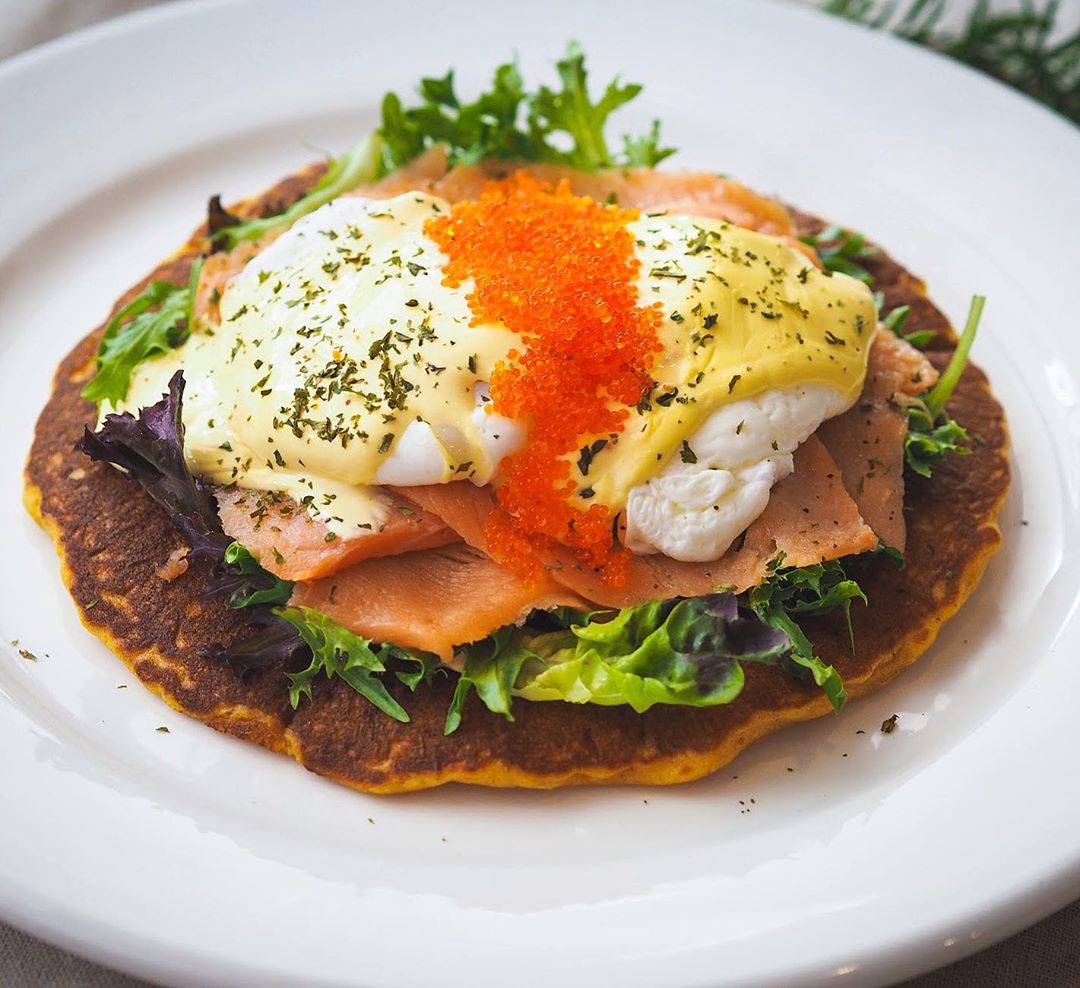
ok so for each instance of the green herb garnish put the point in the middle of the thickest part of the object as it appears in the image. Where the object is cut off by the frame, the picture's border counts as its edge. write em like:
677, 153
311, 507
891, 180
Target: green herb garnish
841, 250
507, 121
807, 591
932, 433
157, 320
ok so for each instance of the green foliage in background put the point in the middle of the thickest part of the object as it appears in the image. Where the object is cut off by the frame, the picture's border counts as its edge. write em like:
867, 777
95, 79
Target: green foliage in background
1013, 45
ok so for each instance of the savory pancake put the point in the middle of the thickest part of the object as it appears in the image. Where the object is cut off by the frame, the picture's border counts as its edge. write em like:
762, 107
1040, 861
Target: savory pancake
115, 546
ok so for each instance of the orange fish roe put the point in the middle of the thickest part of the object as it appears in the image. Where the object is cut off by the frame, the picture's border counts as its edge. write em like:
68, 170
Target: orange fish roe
559, 270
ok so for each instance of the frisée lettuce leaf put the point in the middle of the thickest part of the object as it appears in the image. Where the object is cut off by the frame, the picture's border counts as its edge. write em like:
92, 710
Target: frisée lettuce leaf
806, 591
842, 251
570, 111
894, 322
336, 651
158, 319
561, 125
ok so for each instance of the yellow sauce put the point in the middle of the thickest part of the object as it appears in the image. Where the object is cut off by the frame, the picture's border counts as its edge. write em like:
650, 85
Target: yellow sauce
745, 313
342, 334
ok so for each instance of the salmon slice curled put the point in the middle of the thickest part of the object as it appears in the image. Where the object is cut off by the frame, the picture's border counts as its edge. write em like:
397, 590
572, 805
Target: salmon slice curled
683, 192
867, 441
285, 540
810, 518
432, 600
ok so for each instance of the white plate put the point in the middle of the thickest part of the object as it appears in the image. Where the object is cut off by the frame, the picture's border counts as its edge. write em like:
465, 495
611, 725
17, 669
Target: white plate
192, 858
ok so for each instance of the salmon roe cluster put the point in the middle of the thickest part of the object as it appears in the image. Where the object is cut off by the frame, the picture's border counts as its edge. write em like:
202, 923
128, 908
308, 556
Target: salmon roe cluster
560, 271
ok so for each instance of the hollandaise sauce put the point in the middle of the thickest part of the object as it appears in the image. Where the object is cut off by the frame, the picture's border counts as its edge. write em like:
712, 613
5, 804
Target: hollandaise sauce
563, 349
636, 329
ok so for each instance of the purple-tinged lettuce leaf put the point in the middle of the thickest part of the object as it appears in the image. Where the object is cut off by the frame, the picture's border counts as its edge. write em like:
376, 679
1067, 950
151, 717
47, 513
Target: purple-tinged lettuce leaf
274, 642
150, 449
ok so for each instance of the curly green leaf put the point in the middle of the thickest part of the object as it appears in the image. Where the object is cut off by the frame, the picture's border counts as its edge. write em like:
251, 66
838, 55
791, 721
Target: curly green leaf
841, 250
808, 591
337, 651
157, 320
510, 122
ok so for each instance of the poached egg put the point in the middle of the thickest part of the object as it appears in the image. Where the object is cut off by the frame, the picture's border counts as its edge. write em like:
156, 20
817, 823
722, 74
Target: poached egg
343, 362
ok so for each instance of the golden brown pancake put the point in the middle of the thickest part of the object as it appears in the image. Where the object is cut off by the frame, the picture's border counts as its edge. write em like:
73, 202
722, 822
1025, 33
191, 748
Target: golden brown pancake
113, 539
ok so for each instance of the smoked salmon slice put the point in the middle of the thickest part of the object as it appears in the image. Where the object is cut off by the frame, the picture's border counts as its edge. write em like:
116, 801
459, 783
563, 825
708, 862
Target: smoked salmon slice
425, 580
432, 600
685, 192
810, 518
895, 367
867, 441
285, 539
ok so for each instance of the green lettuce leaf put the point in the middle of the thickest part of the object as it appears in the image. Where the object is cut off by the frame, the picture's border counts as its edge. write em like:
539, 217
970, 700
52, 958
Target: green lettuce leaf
894, 322
337, 651
491, 668
255, 585
426, 665
685, 652
841, 251
157, 320
805, 592
508, 121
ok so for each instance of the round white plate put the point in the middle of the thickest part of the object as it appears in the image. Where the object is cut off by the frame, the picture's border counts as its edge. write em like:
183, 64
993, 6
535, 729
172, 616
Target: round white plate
192, 858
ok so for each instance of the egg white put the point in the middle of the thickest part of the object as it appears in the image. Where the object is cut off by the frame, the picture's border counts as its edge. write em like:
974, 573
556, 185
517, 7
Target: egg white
693, 511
